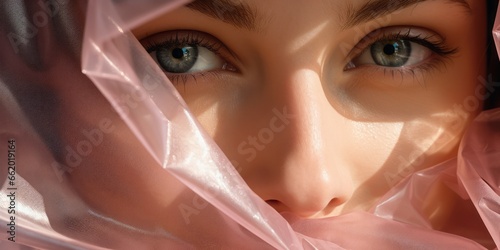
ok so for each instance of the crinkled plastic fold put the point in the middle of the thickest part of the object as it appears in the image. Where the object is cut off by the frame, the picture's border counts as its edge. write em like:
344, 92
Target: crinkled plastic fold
118, 65
212, 207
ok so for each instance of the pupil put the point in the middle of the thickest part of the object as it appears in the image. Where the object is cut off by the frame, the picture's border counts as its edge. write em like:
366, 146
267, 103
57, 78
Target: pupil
177, 53
390, 49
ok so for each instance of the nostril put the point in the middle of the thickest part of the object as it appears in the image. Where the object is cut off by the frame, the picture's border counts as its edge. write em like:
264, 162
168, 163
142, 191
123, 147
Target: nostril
327, 210
334, 203
277, 205
273, 203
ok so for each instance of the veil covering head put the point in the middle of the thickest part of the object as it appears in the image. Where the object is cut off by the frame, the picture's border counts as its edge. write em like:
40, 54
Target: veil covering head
60, 59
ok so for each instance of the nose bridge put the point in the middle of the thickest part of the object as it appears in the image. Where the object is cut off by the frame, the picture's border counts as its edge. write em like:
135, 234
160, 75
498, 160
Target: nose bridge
307, 99
308, 156
301, 172
303, 97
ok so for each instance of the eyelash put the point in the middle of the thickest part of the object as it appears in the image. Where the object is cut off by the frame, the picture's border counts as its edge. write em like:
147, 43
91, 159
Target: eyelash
190, 37
440, 50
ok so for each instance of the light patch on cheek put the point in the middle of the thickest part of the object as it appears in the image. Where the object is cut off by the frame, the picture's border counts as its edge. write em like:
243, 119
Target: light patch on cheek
450, 126
392, 151
208, 118
422, 143
373, 144
424, 137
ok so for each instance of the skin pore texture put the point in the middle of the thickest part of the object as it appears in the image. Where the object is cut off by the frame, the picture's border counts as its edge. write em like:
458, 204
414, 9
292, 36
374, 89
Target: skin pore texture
298, 103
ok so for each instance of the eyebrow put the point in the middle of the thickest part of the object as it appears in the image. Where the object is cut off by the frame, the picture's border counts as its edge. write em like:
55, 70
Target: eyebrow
379, 8
239, 14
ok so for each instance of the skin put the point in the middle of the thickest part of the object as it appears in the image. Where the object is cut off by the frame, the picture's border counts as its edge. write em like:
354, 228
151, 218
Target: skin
351, 134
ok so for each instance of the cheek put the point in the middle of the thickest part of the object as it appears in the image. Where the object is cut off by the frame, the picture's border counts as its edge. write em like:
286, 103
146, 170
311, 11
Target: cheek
382, 154
215, 104
368, 146
208, 116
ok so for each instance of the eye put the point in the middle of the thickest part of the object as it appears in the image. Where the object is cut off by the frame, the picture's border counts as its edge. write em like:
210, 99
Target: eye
397, 48
181, 53
186, 58
393, 53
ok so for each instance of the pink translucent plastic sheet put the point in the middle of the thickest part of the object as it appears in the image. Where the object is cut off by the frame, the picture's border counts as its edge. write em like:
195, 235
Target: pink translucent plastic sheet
212, 207
164, 126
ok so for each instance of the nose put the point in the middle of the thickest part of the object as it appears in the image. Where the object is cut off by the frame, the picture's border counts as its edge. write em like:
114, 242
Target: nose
300, 171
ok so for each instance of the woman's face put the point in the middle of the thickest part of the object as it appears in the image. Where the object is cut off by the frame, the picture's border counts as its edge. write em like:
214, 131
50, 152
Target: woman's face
322, 106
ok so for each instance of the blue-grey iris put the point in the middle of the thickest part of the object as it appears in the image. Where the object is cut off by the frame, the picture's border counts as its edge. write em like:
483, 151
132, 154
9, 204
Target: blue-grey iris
178, 59
391, 53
